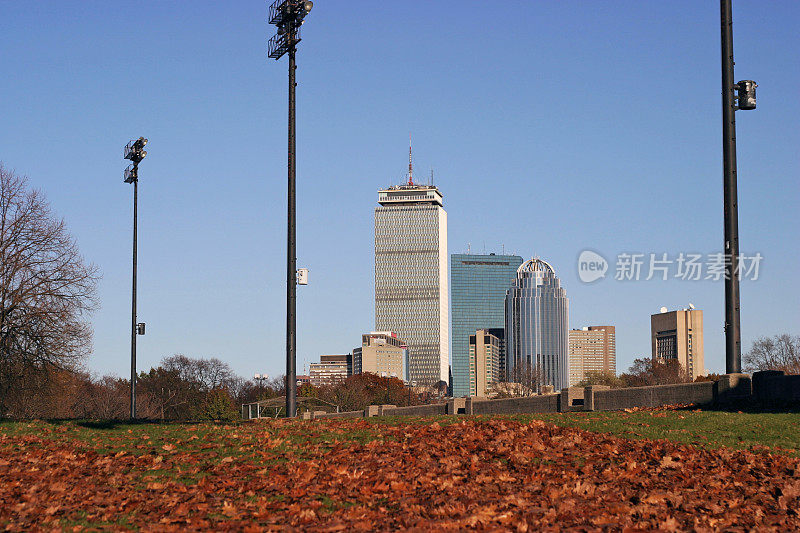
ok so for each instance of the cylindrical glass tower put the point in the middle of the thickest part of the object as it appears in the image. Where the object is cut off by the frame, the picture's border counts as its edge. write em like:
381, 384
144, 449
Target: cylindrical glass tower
537, 327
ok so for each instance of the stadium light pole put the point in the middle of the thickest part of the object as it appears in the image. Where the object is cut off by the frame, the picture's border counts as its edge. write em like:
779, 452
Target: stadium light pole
288, 16
746, 96
134, 151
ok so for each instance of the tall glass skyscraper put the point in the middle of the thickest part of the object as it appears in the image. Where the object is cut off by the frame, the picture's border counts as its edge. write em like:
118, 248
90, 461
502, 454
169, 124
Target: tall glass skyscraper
411, 293
537, 325
479, 285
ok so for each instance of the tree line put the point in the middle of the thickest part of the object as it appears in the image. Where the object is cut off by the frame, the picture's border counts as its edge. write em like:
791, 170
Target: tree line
780, 352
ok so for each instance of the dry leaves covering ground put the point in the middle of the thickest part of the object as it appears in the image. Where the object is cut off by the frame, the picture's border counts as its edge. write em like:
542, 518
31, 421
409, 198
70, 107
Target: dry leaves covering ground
355, 475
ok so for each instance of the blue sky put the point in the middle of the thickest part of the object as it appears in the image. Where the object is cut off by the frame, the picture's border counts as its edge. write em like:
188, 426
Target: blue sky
562, 126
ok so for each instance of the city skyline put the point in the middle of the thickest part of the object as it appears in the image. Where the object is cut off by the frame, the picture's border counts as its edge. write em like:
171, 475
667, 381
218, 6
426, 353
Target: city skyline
211, 229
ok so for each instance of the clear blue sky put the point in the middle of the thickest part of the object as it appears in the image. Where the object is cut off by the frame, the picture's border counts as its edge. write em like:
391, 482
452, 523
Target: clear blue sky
552, 127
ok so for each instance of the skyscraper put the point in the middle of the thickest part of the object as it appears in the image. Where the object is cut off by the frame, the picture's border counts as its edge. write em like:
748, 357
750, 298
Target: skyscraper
679, 335
479, 285
537, 325
592, 350
411, 296
485, 351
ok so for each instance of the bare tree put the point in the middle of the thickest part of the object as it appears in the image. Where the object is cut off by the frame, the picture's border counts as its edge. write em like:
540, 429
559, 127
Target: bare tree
206, 374
181, 386
647, 371
524, 379
601, 378
781, 352
47, 289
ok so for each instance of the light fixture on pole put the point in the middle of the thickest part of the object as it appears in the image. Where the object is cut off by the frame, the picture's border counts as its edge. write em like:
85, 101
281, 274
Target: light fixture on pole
288, 16
746, 95
134, 151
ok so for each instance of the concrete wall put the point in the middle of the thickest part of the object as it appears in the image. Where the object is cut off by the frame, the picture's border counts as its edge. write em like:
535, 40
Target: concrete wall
346, 414
773, 387
417, 410
533, 404
767, 388
616, 399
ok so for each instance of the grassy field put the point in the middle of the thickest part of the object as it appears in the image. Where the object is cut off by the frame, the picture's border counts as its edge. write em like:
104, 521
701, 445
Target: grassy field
780, 431
638, 469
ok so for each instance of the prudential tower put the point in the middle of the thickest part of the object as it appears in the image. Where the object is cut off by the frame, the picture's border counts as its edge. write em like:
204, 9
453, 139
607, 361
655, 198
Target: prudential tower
411, 293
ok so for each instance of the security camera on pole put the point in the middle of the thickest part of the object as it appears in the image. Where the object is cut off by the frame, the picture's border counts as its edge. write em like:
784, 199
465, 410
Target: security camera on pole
134, 151
288, 16
746, 96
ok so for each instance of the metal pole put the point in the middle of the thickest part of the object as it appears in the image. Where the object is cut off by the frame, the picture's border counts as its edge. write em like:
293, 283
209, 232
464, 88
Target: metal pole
133, 298
291, 258
733, 342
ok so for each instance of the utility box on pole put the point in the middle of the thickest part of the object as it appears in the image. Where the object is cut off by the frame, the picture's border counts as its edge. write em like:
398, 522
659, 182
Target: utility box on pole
302, 276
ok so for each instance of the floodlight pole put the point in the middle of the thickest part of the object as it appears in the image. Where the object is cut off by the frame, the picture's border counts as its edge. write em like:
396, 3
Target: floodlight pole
733, 340
133, 297
134, 151
291, 255
288, 16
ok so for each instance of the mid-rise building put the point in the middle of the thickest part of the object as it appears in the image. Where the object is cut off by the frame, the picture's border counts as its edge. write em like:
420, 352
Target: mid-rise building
478, 285
678, 335
327, 373
592, 350
537, 325
485, 353
343, 358
411, 292
381, 353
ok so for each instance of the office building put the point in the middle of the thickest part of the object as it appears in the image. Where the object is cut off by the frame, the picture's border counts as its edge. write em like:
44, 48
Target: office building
537, 325
592, 350
381, 353
678, 335
327, 373
485, 353
478, 291
343, 358
411, 293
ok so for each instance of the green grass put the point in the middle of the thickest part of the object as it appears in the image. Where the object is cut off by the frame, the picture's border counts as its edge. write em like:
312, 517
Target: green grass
211, 443
702, 428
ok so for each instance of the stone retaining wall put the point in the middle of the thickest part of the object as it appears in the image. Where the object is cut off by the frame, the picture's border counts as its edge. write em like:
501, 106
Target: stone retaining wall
547, 403
764, 387
618, 399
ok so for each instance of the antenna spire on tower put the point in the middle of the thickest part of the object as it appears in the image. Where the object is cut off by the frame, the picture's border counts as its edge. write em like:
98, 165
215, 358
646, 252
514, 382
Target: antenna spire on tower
410, 168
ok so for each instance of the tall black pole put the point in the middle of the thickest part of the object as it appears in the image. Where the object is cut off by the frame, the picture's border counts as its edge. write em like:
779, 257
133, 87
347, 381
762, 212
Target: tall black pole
291, 258
733, 342
133, 296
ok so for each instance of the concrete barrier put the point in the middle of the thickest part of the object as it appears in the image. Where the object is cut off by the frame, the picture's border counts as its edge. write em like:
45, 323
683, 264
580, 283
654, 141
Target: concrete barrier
345, 414
546, 403
765, 387
588, 395
571, 399
457, 406
432, 409
733, 387
617, 399
773, 387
